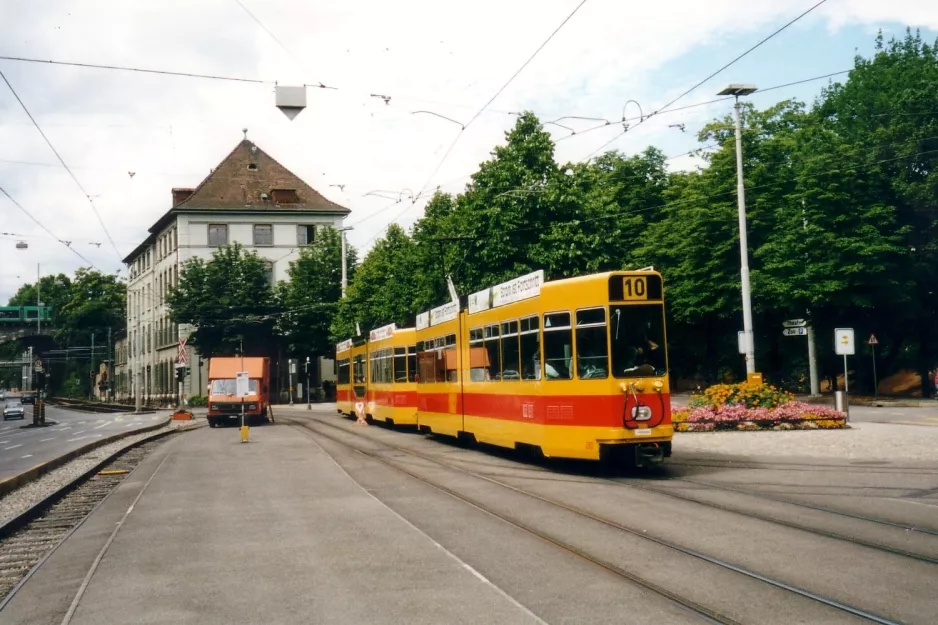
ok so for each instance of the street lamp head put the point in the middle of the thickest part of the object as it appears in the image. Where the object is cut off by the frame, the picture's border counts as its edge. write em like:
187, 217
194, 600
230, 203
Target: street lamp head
737, 89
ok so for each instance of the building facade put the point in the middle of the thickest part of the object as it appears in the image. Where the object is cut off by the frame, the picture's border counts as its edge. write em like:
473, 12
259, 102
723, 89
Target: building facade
249, 199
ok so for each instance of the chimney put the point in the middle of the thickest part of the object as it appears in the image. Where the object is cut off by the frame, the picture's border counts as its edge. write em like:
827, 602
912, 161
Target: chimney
181, 195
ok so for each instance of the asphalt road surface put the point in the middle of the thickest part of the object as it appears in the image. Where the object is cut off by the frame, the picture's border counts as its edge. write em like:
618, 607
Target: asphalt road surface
920, 415
22, 448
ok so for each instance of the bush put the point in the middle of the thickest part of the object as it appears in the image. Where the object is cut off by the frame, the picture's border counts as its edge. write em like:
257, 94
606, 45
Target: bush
198, 400
748, 394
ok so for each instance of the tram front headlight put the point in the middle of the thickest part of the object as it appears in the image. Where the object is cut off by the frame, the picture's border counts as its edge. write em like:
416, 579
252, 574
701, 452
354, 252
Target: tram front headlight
659, 385
641, 413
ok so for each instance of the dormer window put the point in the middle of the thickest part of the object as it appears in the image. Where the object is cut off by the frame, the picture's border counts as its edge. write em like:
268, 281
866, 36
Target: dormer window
284, 196
252, 167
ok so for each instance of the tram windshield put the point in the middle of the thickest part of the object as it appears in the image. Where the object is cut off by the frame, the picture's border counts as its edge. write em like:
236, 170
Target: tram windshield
636, 334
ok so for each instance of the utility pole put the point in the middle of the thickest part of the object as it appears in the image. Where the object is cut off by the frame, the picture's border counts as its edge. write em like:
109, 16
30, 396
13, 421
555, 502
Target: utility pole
812, 361
110, 368
138, 397
342, 232
736, 91
309, 405
38, 301
92, 367
29, 381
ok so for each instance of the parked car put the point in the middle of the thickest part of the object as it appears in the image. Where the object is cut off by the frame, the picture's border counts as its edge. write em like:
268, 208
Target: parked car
28, 397
14, 411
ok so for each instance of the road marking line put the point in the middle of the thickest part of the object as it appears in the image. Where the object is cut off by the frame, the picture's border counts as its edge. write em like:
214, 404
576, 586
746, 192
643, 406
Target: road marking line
4, 442
72, 440
77, 433
46, 439
13, 447
26, 456
103, 425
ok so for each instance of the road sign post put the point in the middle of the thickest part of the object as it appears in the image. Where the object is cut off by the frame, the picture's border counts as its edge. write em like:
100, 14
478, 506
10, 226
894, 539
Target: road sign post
242, 390
845, 345
872, 342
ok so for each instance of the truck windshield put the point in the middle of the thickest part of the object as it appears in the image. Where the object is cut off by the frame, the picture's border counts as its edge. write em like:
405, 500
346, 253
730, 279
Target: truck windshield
229, 387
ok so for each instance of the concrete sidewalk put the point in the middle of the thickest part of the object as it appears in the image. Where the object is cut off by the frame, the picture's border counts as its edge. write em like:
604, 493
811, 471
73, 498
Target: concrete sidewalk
267, 532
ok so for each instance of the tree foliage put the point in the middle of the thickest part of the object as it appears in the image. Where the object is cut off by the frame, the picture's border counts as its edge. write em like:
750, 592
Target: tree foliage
841, 211
229, 300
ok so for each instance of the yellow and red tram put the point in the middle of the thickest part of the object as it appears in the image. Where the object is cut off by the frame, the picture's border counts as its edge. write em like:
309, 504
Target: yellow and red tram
392, 387
573, 368
351, 386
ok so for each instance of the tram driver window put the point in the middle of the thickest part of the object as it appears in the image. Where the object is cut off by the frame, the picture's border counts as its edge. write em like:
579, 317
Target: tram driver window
558, 347
592, 355
636, 333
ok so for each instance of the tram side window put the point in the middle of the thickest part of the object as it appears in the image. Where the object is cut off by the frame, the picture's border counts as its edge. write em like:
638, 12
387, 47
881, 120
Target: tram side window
400, 364
412, 363
592, 354
511, 366
493, 355
530, 348
450, 359
343, 373
478, 356
558, 346
426, 360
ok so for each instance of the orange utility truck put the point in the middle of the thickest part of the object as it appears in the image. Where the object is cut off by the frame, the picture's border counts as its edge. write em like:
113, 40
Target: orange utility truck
224, 405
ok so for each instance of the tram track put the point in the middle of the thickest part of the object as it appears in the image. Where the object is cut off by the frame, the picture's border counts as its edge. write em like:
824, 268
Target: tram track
801, 467
28, 539
699, 610
852, 515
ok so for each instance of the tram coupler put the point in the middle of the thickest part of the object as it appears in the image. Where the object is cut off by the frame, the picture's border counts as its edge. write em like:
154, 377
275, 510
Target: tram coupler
647, 454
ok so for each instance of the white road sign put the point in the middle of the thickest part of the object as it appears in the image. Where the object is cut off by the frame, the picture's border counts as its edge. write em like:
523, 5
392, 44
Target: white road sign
794, 323
242, 384
795, 331
844, 343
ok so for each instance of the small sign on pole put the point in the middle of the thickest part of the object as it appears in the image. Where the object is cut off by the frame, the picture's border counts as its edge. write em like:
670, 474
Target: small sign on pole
845, 345
794, 323
242, 384
741, 342
795, 331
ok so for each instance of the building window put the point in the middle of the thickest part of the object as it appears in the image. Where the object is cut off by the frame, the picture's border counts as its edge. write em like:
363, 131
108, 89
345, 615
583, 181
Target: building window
263, 235
284, 196
269, 271
305, 235
217, 235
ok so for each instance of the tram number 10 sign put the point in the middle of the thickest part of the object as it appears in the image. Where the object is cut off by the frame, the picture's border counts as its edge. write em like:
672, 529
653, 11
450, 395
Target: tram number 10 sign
634, 288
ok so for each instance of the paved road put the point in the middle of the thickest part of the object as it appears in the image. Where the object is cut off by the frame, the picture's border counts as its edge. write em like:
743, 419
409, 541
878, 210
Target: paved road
927, 415
23, 448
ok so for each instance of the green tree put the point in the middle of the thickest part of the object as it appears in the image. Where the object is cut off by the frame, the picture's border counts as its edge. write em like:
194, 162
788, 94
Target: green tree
387, 288
310, 298
229, 300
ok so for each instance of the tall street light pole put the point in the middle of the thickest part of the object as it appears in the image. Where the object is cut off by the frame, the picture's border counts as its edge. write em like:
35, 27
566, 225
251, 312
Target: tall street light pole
342, 231
737, 90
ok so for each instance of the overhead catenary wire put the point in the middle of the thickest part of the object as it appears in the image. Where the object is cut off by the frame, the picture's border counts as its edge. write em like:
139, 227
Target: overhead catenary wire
498, 93
41, 225
61, 160
714, 74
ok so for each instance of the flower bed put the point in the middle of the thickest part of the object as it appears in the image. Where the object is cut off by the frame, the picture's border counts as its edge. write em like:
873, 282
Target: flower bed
752, 407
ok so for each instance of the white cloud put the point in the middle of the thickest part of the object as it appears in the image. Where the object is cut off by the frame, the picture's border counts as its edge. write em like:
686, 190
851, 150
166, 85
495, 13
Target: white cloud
442, 56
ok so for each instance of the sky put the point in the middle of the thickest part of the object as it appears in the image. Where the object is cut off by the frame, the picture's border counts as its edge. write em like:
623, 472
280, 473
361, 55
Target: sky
611, 59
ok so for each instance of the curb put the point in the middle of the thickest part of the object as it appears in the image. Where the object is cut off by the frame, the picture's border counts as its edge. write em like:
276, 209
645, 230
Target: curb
11, 484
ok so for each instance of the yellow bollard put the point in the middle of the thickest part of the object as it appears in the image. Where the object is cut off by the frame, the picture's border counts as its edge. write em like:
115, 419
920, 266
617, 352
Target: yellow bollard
244, 433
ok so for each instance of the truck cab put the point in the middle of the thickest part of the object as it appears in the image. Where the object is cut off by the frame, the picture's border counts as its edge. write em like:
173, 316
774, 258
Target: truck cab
224, 404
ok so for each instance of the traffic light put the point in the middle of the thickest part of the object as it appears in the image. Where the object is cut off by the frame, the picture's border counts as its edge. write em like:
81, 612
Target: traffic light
181, 374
